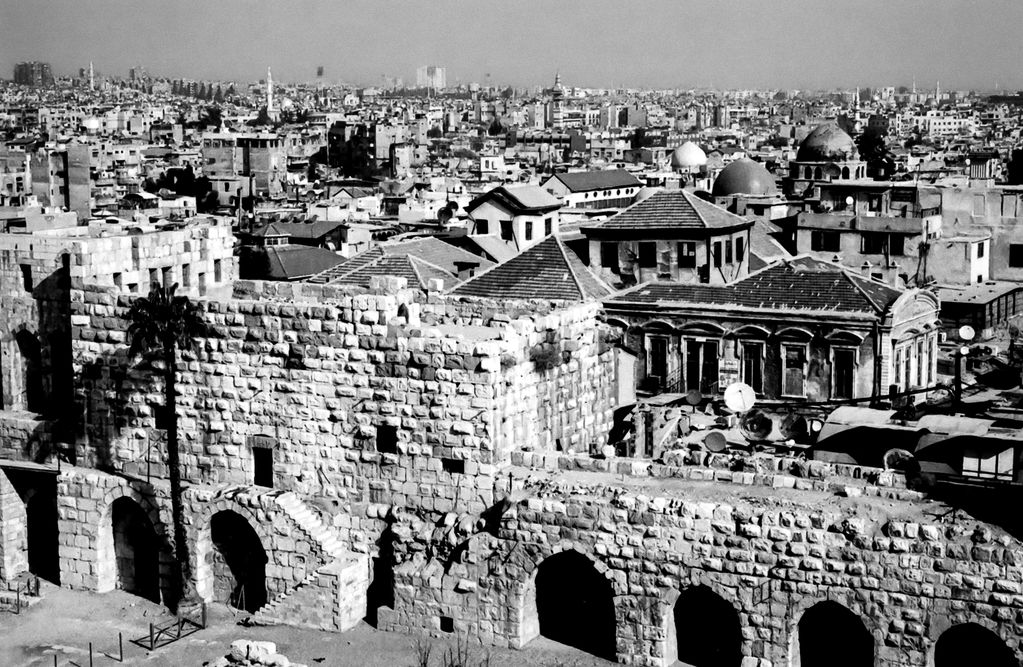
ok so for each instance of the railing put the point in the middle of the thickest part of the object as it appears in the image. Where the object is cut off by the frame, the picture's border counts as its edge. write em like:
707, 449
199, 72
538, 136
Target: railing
672, 383
171, 631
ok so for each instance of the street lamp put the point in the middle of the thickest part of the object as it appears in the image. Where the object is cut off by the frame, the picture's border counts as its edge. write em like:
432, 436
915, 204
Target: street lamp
967, 334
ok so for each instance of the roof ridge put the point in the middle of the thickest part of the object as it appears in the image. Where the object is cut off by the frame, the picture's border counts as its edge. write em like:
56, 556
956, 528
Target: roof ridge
568, 264
416, 259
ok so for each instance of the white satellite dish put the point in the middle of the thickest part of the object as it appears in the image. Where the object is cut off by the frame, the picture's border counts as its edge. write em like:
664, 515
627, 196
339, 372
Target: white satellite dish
740, 397
966, 332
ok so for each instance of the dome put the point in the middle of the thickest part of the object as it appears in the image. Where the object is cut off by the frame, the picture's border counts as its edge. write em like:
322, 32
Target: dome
744, 177
827, 143
687, 156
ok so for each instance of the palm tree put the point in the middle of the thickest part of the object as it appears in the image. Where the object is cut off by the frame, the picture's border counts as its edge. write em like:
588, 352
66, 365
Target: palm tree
158, 326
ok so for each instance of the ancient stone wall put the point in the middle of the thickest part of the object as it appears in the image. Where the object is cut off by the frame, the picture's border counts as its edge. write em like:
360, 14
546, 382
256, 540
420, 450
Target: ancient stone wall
907, 581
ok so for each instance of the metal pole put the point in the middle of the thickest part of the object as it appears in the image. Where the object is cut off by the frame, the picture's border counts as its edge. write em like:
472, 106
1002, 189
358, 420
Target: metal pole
90, 654
957, 387
152, 641
120, 647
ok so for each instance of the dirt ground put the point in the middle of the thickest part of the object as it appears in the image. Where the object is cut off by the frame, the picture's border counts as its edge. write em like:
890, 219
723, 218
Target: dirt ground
65, 621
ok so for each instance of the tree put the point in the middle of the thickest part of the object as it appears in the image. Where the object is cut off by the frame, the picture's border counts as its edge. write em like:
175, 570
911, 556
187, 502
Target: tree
495, 128
159, 326
874, 151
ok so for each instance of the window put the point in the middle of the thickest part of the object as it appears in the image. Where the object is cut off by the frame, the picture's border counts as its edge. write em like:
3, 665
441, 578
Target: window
728, 251
687, 255
154, 276
453, 466
168, 276
753, 365
263, 466
26, 277
825, 241
186, 275
873, 243
609, 256
529, 230
218, 275
897, 244
985, 464
740, 250
506, 230
717, 254
702, 365
117, 280
874, 203
482, 227
647, 254
794, 379
548, 226
844, 360
387, 439
898, 367
980, 250
657, 364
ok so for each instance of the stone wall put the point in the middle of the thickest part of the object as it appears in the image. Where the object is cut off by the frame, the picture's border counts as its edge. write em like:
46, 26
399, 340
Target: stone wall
13, 531
908, 581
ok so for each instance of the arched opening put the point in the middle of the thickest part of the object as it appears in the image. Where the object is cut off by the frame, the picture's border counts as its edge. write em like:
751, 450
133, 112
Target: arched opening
707, 629
809, 173
830, 635
136, 550
575, 604
39, 493
972, 644
31, 354
845, 173
818, 174
239, 562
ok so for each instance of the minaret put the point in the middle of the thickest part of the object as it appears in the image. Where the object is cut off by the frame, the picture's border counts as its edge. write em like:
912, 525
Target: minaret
269, 91
92, 79
937, 91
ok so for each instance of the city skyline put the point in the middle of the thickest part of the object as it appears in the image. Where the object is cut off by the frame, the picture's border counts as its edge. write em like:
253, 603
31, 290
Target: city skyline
788, 44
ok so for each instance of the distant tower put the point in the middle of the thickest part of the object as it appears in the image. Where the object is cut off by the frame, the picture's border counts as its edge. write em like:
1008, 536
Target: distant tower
92, 78
269, 91
937, 91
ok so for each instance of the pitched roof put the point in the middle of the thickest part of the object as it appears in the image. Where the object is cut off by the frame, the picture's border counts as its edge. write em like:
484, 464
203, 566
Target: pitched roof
546, 271
293, 262
798, 284
417, 260
310, 229
518, 198
586, 181
673, 209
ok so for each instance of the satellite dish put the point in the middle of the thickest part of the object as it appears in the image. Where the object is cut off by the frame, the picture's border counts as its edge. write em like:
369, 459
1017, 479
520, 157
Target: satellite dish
715, 442
693, 397
739, 397
755, 426
966, 332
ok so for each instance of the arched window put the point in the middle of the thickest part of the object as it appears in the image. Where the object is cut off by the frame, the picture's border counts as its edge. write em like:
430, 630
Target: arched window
845, 173
829, 635
818, 174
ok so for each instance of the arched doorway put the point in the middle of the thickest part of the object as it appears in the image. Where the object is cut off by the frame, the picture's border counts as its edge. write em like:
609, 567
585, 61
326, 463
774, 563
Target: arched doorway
972, 644
239, 562
136, 550
575, 604
830, 635
381, 586
707, 629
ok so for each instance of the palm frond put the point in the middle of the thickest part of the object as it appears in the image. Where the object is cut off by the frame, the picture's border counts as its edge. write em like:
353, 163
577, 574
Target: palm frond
163, 321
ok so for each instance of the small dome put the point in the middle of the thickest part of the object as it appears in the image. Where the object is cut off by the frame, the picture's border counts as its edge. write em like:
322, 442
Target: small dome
744, 177
688, 156
827, 143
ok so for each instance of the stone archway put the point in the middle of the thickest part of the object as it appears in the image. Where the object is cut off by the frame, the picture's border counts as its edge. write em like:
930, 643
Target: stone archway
830, 635
136, 550
705, 630
238, 562
972, 644
571, 602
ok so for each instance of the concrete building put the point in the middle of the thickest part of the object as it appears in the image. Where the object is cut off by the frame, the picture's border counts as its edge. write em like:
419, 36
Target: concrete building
33, 74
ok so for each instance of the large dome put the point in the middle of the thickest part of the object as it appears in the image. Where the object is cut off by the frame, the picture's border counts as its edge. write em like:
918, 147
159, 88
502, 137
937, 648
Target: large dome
827, 143
688, 156
744, 177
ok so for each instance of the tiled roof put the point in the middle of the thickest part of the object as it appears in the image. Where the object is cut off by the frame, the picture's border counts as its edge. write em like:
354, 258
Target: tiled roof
547, 271
674, 209
298, 230
585, 181
518, 198
799, 284
417, 260
292, 262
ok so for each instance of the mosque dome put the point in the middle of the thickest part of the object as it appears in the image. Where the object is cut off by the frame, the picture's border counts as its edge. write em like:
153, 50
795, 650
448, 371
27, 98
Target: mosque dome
688, 156
827, 143
744, 177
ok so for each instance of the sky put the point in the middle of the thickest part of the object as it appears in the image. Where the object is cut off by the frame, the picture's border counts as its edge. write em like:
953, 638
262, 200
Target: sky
974, 44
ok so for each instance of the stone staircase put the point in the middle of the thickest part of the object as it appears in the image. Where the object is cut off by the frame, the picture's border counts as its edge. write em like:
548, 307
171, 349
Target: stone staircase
308, 521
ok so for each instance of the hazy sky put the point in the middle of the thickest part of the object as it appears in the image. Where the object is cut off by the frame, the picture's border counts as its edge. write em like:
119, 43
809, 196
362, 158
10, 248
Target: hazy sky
669, 43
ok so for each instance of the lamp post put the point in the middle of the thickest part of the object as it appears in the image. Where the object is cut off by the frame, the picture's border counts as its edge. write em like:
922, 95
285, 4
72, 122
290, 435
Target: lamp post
966, 333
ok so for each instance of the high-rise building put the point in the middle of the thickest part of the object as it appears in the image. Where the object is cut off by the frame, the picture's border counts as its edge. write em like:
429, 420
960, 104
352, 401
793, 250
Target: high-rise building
33, 74
431, 76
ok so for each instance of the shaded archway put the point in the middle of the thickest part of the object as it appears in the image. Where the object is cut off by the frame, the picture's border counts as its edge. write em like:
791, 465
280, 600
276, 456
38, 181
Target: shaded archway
239, 562
43, 536
31, 354
575, 604
136, 549
381, 585
707, 628
829, 635
972, 644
